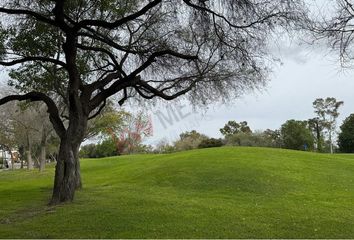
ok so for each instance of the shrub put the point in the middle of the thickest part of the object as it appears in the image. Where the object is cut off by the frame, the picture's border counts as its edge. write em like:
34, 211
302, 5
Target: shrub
210, 142
106, 148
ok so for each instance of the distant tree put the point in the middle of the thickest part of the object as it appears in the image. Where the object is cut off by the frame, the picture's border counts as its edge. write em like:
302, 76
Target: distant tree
189, 140
233, 127
7, 132
105, 148
272, 138
296, 135
88, 151
164, 146
317, 126
108, 120
327, 112
346, 136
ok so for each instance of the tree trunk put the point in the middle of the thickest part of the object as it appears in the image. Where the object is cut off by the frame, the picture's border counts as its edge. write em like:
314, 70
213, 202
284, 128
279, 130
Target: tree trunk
42, 160
330, 142
43, 153
318, 136
65, 181
29, 153
29, 160
67, 172
22, 154
12, 160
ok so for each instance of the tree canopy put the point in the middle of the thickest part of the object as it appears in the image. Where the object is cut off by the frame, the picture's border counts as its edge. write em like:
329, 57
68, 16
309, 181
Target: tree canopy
346, 136
78, 53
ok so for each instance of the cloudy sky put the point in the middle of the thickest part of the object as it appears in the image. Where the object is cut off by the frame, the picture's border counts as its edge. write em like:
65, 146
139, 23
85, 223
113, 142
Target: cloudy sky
305, 74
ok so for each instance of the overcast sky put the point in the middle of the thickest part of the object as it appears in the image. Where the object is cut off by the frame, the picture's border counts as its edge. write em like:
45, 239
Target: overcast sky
306, 74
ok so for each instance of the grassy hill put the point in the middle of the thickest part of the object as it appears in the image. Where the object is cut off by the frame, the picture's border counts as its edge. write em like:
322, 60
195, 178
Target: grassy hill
210, 193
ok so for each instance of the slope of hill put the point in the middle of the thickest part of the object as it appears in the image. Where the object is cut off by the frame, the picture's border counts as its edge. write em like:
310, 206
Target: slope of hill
210, 193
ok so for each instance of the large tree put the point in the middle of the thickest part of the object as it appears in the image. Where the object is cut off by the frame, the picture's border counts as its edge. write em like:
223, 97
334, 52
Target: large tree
233, 127
87, 51
327, 114
296, 135
346, 136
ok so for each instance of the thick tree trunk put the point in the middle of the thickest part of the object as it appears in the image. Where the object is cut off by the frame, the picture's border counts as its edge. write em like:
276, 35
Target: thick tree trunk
65, 181
67, 172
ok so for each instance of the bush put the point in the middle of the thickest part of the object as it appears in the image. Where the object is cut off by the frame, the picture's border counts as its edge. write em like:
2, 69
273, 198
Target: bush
106, 148
267, 138
245, 139
210, 142
88, 151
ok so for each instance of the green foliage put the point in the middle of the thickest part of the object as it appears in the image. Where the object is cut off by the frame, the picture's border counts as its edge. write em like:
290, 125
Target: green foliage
232, 127
244, 139
88, 151
110, 120
106, 148
327, 109
346, 136
327, 112
317, 126
272, 138
296, 135
210, 142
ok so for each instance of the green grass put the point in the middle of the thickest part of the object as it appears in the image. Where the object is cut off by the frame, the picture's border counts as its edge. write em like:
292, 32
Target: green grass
210, 193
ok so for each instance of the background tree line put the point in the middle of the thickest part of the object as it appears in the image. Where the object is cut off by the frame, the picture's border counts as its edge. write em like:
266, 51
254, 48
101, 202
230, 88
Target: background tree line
314, 134
115, 132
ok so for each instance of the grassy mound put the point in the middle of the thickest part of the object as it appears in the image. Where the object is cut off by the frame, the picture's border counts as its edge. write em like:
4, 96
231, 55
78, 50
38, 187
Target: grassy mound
210, 193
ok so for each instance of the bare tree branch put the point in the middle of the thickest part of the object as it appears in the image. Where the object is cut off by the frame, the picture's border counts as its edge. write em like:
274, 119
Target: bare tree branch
120, 22
31, 59
36, 15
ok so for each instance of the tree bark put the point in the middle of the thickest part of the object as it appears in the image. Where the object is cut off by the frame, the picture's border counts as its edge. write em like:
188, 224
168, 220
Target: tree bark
29, 160
42, 160
67, 172
43, 153
29, 153
12, 160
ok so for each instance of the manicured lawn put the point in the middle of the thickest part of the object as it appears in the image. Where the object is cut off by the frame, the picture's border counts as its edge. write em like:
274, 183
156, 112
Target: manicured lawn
210, 193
